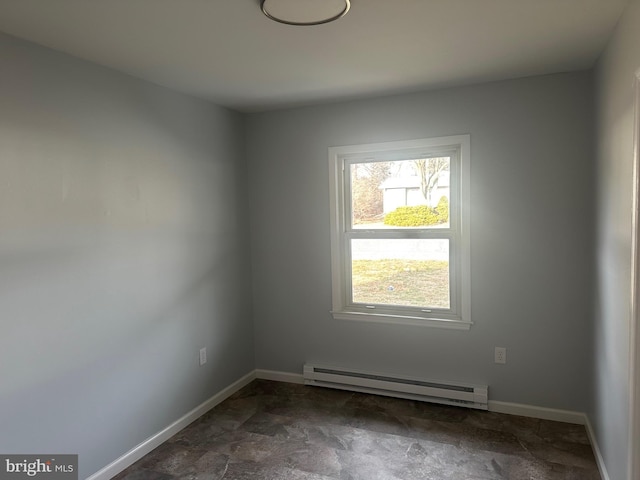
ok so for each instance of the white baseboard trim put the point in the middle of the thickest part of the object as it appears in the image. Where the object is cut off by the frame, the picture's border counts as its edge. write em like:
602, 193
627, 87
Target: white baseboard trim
279, 376
596, 449
156, 440
532, 411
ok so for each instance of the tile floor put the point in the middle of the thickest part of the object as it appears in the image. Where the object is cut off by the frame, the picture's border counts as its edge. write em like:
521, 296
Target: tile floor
271, 430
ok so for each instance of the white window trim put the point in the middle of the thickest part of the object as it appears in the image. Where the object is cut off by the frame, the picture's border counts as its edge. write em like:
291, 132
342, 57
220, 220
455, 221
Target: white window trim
336, 162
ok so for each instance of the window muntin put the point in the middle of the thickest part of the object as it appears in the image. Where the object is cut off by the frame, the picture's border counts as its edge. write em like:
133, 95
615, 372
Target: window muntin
413, 268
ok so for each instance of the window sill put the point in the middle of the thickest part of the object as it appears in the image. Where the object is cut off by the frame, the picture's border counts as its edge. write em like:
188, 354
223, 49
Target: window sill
403, 320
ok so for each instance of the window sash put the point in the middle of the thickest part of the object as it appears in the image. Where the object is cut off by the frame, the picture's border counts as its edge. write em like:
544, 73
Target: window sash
454, 188
453, 312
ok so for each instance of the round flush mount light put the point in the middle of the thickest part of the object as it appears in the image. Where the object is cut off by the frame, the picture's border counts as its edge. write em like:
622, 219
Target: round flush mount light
305, 12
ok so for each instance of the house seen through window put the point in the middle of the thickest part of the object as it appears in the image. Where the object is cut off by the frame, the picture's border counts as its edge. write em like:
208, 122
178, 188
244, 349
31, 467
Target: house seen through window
400, 232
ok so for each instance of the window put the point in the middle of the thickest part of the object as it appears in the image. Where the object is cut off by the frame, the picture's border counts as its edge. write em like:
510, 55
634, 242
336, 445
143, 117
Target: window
400, 232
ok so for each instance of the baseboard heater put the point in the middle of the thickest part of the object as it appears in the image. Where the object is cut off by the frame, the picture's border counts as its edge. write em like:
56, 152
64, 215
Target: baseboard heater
449, 393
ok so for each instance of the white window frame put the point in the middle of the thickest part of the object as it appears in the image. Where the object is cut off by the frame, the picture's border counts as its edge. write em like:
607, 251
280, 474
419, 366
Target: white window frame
459, 315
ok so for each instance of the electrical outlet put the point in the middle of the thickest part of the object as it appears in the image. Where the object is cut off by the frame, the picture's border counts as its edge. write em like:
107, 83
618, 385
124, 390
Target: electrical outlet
500, 355
203, 356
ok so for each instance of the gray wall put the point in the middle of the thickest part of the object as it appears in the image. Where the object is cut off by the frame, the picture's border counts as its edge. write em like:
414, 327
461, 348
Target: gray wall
615, 80
123, 250
531, 236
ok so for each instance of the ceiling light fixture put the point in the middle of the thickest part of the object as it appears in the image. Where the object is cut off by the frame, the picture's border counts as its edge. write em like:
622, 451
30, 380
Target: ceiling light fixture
305, 12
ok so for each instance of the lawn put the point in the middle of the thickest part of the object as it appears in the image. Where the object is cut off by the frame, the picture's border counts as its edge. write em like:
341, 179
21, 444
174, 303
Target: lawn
415, 283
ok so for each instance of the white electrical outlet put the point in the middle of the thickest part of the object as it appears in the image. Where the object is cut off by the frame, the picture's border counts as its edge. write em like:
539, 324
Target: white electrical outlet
500, 355
203, 356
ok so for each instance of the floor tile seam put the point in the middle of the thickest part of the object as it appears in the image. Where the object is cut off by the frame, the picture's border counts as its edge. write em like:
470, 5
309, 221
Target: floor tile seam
540, 459
270, 414
571, 465
372, 454
307, 424
260, 436
566, 465
156, 472
390, 436
555, 443
311, 471
404, 421
564, 447
547, 464
322, 476
467, 440
207, 440
471, 426
413, 440
521, 454
219, 447
518, 437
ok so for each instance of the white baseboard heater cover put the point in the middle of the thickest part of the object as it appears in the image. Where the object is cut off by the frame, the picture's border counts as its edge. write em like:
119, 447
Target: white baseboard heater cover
449, 393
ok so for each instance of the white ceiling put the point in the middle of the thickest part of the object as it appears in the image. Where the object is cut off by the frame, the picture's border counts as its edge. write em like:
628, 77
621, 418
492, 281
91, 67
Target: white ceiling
227, 51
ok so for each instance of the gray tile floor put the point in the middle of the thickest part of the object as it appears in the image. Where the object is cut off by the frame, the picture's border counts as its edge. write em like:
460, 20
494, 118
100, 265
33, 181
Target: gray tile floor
272, 430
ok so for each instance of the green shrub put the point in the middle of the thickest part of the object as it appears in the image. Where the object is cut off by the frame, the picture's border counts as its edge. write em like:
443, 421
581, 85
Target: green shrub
419, 215
416, 216
443, 210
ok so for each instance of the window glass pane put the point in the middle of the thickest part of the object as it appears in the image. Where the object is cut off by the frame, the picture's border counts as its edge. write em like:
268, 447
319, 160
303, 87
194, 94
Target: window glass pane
406, 272
400, 194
